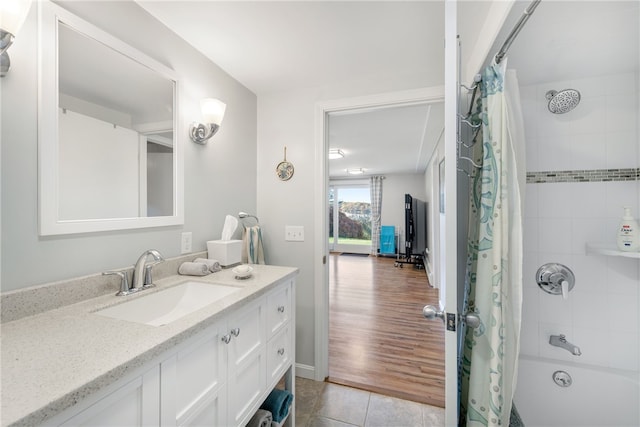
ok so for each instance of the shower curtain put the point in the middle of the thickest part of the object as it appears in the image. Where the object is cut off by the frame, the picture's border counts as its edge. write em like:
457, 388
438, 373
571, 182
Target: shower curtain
493, 288
375, 190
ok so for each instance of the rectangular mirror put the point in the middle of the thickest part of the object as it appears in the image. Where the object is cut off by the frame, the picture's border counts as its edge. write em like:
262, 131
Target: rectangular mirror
109, 156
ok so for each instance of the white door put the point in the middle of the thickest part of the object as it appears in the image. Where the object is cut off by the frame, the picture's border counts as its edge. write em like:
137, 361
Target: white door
449, 242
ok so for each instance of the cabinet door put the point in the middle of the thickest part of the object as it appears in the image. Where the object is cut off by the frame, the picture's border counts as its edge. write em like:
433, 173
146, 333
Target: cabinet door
136, 403
247, 363
194, 381
278, 308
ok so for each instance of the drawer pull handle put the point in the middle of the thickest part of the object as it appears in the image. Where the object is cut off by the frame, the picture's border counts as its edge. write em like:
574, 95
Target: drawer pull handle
281, 309
235, 332
281, 351
226, 339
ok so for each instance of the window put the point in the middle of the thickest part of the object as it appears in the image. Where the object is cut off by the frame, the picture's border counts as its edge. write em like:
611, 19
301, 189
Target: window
349, 218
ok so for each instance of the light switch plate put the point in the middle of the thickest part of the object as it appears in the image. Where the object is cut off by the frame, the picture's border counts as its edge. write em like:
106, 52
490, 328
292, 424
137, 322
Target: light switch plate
294, 233
186, 243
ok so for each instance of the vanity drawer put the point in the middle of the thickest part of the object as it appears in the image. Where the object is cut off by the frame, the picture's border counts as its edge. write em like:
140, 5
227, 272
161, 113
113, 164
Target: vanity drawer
278, 308
279, 354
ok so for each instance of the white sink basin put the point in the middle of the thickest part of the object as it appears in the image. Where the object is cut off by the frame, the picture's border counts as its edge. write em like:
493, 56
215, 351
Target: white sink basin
160, 308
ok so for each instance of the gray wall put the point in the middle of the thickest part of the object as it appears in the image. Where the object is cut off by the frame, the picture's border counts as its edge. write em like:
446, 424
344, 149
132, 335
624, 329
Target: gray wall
220, 177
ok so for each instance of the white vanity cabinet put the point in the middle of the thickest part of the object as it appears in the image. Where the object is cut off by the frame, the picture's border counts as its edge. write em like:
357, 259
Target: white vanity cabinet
128, 402
246, 366
194, 380
279, 330
219, 377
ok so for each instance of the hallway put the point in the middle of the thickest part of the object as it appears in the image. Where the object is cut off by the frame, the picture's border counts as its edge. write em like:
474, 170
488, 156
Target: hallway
378, 339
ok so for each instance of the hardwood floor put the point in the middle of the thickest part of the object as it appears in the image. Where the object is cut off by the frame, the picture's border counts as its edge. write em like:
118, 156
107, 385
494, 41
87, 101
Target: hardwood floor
378, 339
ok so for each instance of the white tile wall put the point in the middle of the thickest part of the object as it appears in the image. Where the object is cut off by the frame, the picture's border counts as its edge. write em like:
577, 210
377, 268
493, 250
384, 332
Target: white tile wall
601, 314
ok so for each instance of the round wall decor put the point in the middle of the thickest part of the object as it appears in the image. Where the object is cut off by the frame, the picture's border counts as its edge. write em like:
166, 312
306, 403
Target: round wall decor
284, 170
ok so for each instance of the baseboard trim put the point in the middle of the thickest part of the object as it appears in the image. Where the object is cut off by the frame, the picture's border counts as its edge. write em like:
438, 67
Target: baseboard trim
305, 371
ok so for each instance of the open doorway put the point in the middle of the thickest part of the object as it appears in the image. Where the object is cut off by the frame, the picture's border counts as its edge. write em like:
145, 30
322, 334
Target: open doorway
376, 337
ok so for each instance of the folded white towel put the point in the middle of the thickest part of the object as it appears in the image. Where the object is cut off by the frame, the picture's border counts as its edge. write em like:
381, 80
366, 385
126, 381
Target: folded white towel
193, 269
261, 418
212, 264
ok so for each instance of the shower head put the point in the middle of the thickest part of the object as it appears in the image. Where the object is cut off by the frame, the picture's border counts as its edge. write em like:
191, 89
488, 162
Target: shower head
563, 101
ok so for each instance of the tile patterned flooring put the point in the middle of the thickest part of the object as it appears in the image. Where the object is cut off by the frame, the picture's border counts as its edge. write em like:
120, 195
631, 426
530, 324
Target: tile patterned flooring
322, 404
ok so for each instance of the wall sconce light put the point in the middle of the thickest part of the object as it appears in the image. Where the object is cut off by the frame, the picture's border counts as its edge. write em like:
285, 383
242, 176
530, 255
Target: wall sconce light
335, 153
358, 171
212, 115
12, 16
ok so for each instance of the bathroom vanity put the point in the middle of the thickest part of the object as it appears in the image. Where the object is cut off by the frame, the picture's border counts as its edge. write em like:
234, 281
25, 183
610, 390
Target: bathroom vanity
214, 366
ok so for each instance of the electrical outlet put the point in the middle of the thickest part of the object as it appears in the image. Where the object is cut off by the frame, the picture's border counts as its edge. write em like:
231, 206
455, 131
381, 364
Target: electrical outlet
294, 233
186, 243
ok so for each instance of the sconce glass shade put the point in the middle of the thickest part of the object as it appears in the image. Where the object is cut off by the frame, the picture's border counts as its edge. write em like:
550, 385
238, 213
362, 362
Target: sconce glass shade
212, 110
212, 115
12, 15
335, 153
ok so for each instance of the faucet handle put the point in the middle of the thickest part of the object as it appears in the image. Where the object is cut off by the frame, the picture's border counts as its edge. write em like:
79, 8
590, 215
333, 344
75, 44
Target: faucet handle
148, 278
124, 281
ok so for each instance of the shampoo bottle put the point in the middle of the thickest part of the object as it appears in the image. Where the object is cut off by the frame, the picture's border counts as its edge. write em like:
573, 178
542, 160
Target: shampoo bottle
628, 234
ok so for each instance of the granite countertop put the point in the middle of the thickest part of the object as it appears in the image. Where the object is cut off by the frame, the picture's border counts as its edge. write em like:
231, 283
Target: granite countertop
54, 359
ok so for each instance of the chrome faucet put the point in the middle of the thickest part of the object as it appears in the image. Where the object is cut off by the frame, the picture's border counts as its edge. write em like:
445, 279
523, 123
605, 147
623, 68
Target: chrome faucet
561, 341
142, 270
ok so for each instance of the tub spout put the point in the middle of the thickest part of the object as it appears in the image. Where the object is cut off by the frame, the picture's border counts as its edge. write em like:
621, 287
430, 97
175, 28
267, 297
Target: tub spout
561, 341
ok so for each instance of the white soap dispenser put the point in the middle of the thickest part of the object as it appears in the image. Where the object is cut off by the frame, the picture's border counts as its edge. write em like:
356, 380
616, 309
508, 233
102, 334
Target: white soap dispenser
628, 234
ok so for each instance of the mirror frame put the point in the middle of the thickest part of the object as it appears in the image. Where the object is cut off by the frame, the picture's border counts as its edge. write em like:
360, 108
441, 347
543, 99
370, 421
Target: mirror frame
49, 15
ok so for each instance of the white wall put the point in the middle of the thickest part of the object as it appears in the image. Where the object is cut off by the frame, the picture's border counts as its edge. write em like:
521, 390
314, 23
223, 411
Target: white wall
394, 188
220, 177
601, 313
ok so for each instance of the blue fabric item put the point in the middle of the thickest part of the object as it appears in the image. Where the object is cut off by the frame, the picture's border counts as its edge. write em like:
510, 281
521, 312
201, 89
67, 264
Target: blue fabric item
388, 239
278, 403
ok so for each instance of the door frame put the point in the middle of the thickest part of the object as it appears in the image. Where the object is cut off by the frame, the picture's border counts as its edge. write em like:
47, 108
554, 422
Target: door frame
321, 184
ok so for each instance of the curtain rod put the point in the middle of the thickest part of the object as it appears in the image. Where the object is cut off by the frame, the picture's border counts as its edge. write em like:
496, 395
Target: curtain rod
516, 29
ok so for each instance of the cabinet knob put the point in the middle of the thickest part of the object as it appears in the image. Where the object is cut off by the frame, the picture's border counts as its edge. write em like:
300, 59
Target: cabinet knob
235, 332
226, 339
281, 309
281, 351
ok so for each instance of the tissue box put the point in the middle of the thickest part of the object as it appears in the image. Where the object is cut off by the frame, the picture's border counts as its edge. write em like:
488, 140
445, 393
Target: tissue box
227, 252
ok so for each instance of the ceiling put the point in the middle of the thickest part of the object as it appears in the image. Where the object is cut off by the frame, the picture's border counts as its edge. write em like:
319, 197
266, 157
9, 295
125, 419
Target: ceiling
369, 142
569, 40
276, 46
283, 45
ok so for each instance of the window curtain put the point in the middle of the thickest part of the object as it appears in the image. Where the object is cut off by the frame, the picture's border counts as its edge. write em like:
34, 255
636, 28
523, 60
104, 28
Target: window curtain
375, 187
494, 266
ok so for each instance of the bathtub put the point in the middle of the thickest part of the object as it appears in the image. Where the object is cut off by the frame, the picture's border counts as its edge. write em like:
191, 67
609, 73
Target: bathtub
597, 396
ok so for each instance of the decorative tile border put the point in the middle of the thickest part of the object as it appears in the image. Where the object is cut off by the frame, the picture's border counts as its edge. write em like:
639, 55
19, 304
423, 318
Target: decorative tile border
597, 175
